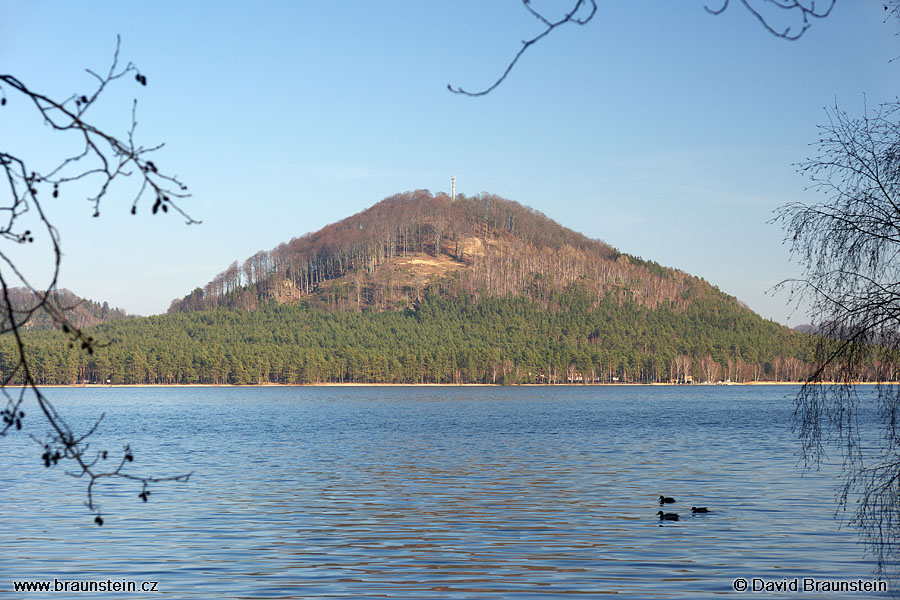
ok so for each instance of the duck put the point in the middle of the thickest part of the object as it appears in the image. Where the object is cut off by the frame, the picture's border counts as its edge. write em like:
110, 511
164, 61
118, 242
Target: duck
664, 516
666, 500
699, 509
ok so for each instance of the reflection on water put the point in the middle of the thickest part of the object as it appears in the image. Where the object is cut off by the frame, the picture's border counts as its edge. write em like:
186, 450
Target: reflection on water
424, 493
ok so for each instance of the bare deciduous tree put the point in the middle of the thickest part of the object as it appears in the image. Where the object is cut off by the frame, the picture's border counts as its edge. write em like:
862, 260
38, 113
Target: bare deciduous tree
849, 248
709, 369
680, 369
101, 162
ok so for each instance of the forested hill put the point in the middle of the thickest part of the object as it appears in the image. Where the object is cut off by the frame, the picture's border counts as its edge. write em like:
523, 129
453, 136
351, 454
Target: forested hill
443, 339
386, 256
422, 289
80, 312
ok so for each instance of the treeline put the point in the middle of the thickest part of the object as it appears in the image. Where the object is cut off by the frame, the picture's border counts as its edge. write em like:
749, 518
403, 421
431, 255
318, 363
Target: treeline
442, 339
507, 249
80, 312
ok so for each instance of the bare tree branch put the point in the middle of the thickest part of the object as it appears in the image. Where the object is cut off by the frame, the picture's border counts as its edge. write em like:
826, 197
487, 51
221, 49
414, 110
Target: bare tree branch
806, 9
804, 12
104, 159
849, 248
892, 11
569, 17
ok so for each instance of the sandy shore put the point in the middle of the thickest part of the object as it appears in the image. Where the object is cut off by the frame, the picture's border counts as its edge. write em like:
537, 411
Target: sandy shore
452, 385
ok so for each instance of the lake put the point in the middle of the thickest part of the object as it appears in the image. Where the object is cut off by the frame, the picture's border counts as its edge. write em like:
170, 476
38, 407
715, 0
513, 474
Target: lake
417, 492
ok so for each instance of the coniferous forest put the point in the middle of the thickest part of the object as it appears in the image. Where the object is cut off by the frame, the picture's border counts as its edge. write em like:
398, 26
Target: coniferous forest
422, 288
441, 340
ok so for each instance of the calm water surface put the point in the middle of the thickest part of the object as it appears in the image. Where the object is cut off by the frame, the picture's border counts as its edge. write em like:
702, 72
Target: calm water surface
432, 493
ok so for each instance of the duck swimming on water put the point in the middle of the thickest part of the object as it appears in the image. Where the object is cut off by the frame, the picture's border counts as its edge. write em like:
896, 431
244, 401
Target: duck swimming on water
699, 509
664, 516
666, 500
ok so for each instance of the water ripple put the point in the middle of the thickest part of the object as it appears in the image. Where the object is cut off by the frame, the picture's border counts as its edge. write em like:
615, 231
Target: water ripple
400, 493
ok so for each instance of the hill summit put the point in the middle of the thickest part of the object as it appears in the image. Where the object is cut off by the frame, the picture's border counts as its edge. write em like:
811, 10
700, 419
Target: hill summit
386, 256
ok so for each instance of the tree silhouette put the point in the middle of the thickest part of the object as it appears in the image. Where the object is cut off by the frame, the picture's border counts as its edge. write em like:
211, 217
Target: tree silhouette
800, 15
849, 247
102, 161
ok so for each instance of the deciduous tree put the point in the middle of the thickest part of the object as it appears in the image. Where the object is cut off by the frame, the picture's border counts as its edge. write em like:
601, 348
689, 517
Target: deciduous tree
849, 247
102, 162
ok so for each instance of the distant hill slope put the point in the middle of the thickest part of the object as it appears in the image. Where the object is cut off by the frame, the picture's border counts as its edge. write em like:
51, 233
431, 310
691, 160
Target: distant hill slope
387, 255
79, 311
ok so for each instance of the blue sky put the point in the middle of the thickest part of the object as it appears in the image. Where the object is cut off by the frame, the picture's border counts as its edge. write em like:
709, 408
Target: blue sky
658, 128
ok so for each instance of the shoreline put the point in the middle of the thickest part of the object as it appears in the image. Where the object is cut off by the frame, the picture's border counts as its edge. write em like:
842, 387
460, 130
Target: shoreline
451, 385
